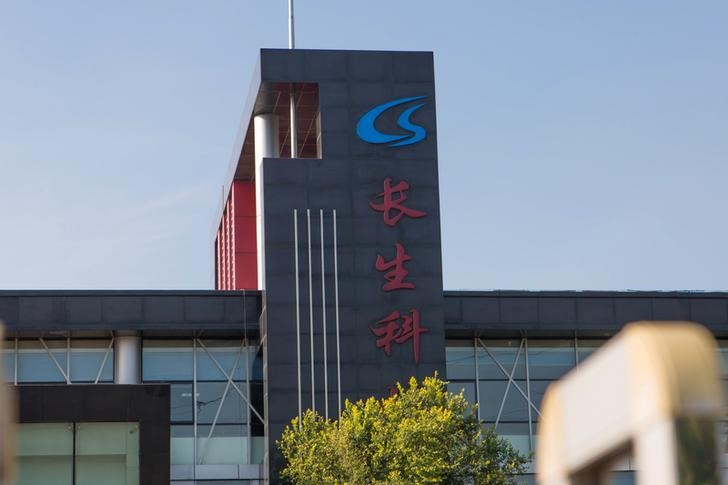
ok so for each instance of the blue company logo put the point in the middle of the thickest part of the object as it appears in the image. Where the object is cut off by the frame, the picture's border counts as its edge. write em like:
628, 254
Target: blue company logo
366, 130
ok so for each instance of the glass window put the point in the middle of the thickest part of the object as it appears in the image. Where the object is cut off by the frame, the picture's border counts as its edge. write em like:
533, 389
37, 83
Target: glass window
505, 352
586, 347
491, 397
209, 397
36, 365
8, 362
228, 354
550, 359
107, 453
227, 445
181, 402
182, 445
256, 357
167, 360
44, 453
538, 389
517, 434
460, 360
87, 357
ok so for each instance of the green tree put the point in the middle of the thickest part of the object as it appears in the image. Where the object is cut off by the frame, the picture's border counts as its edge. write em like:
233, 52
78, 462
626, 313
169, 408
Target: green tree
421, 434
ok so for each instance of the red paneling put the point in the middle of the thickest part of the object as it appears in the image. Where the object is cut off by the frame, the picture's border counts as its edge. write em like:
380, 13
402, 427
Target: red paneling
237, 255
218, 259
244, 243
245, 226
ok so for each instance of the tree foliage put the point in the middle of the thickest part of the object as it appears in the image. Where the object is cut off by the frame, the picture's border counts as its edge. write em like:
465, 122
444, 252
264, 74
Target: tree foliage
421, 434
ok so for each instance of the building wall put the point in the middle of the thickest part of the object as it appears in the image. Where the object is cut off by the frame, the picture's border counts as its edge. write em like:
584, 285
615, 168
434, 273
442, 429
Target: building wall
301, 197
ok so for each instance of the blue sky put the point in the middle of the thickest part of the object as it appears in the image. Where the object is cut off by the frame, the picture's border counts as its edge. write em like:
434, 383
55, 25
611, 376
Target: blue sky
582, 145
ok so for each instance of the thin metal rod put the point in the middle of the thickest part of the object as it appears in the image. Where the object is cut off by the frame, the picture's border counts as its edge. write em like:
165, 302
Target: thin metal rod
310, 311
291, 30
505, 372
194, 402
103, 362
232, 383
55, 361
508, 386
246, 343
16, 359
220, 404
247, 391
294, 130
477, 374
292, 45
323, 317
298, 314
336, 305
68, 357
528, 392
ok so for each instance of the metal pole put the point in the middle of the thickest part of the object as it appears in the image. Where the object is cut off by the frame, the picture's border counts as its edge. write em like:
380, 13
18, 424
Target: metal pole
292, 45
194, 408
298, 314
336, 304
477, 374
291, 32
310, 313
528, 398
323, 316
127, 359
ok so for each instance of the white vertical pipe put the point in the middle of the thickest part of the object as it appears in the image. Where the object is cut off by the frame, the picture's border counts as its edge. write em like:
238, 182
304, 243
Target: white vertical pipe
291, 31
310, 312
294, 132
477, 374
528, 398
68, 357
266, 146
127, 359
194, 406
336, 305
323, 317
298, 314
292, 90
15, 362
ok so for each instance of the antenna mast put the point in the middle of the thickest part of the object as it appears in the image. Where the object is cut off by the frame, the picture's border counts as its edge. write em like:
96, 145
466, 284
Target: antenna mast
292, 91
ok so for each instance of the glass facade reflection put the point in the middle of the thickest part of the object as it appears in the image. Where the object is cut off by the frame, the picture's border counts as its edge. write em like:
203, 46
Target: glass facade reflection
77, 453
508, 379
69, 360
217, 426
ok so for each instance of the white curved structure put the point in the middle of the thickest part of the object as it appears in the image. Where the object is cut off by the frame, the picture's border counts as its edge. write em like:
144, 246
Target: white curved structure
653, 391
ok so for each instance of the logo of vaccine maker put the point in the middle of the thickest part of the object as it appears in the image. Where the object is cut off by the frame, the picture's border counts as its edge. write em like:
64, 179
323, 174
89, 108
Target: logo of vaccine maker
366, 127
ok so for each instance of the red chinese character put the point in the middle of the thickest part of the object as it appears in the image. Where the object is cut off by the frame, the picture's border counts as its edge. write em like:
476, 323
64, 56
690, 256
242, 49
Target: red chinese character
398, 329
390, 204
395, 278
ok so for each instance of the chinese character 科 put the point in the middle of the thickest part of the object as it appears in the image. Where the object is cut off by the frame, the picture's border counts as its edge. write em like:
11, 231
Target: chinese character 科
395, 277
398, 329
391, 207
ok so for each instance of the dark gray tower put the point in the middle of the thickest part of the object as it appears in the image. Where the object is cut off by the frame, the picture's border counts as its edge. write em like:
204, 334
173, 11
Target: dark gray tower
350, 231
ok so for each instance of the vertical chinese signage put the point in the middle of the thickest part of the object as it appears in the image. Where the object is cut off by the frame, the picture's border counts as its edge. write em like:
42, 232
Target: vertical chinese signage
399, 326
